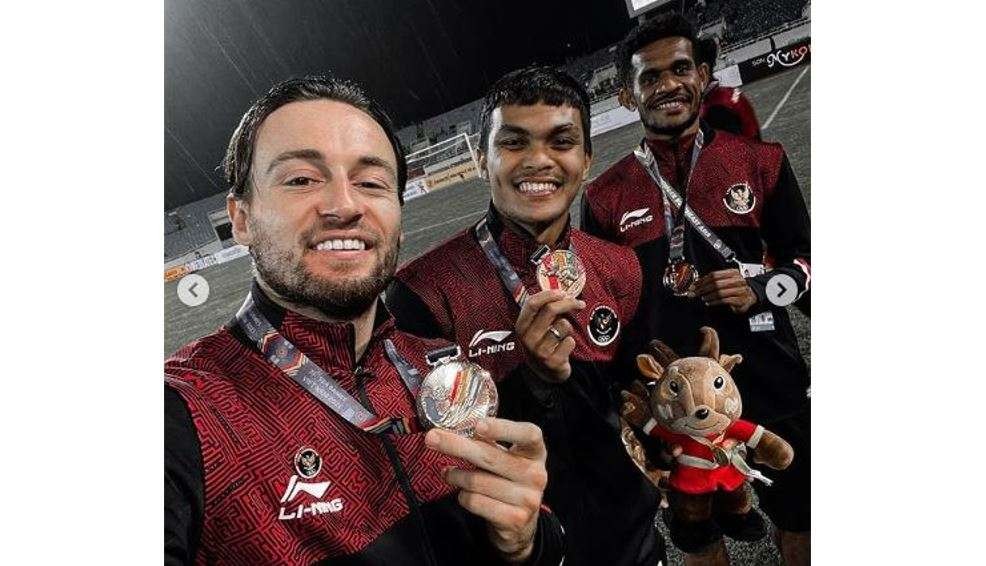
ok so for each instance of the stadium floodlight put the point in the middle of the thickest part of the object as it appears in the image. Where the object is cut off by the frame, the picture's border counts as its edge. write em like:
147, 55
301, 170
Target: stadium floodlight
440, 165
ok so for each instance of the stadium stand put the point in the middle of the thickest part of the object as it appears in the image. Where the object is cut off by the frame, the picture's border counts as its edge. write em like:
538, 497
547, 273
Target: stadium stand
745, 29
187, 228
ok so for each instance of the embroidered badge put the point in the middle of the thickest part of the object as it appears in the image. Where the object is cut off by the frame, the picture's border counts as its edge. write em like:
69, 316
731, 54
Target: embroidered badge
603, 326
739, 198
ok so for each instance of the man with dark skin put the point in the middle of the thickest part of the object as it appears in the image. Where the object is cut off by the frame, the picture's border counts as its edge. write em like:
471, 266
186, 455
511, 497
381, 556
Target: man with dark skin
768, 236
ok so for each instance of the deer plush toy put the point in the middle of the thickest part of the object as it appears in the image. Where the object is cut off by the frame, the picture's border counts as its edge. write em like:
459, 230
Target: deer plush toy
694, 403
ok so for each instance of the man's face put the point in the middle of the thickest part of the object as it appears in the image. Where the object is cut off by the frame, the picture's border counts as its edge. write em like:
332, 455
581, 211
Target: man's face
535, 161
323, 221
667, 85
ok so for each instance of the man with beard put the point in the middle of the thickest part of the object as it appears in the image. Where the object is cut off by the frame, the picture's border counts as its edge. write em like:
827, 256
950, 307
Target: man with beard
547, 309
745, 231
290, 433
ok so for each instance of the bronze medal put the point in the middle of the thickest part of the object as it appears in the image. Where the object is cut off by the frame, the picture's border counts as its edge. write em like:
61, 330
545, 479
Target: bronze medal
561, 270
679, 278
455, 395
720, 455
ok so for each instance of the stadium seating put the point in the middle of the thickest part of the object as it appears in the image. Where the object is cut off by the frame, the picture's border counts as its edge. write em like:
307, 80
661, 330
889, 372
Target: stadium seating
188, 228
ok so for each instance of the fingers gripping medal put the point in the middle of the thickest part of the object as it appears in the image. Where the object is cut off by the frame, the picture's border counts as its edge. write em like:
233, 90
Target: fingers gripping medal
456, 393
679, 278
561, 270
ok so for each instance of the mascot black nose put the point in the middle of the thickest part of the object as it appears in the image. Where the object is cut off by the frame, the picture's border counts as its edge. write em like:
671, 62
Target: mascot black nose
702, 413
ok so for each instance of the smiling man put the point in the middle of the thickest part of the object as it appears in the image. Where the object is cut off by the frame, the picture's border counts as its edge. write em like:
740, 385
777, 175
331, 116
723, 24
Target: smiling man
548, 309
732, 263
291, 434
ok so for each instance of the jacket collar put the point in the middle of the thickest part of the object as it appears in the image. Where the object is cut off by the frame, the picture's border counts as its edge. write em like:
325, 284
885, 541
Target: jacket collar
331, 345
518, 246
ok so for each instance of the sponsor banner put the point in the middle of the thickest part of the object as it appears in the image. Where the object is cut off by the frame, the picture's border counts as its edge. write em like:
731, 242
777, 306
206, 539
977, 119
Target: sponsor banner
415, 188
222, 256
461, 172
612, 119
729, 76
231, 253
175, 273
776, 61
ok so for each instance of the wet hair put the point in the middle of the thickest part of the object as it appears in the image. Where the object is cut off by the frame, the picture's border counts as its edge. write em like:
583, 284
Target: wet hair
239, 155
707, 51
531, 85
666, 25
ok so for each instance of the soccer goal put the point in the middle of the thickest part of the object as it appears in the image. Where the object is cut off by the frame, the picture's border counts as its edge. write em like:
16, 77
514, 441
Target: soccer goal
440, 165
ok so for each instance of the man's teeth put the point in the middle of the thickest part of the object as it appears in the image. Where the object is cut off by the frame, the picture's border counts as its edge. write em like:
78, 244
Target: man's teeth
339, 244
670, 104
536, 188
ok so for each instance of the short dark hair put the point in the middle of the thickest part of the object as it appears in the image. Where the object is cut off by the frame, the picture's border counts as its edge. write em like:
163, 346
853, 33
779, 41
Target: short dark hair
531, 85
239, 154
707, 51
665, 25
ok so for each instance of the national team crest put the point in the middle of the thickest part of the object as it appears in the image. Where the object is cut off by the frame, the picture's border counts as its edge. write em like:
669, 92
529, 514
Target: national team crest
739, 198
603, 326
307, 463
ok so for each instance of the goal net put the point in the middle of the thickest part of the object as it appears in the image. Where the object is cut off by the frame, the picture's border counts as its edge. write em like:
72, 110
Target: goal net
440, 165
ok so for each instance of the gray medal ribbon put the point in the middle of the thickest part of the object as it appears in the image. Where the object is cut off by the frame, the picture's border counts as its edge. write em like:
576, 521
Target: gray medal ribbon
649, 163
295, 364
503, 268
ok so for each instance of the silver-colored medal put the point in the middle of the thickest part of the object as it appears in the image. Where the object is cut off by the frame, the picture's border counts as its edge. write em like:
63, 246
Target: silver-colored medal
456, 393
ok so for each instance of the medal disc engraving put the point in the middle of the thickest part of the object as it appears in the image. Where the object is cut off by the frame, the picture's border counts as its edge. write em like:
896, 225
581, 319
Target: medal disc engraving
455, 395
562, 270
720, 455
679, 278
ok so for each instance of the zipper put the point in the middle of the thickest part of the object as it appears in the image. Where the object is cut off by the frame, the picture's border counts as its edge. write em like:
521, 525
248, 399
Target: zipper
402, 477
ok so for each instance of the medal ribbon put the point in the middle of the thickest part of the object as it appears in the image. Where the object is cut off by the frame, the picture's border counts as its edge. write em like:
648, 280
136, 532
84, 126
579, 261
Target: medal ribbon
675, 230
507, 274
295, 364
736, 458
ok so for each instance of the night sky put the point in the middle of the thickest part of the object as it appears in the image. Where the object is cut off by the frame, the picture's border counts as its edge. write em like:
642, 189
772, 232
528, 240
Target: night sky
419, 58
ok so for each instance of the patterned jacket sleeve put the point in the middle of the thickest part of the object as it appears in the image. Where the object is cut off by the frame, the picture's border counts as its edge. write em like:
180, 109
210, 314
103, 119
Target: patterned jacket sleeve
184, 486
786, 229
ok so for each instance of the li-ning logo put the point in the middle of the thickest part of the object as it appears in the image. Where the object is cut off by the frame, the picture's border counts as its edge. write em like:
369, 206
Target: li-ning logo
496, 336
635, 218
316, 490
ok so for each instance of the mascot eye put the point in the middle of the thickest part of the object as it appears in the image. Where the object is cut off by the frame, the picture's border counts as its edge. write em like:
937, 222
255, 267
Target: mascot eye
673, 386
719, 382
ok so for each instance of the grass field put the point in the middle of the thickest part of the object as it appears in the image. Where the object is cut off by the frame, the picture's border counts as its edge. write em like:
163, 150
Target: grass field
783, 104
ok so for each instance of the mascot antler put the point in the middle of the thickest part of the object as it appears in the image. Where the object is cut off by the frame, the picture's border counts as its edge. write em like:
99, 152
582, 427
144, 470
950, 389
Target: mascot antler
710, 343
662, 353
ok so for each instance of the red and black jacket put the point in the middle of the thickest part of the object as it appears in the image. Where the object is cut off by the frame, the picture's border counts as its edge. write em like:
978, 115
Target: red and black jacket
605, 504
234, 424
623, 205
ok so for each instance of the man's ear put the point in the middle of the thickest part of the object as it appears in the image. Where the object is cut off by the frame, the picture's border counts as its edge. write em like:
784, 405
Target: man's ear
238, 210
481, 158
588, 164
626, 99
705, 73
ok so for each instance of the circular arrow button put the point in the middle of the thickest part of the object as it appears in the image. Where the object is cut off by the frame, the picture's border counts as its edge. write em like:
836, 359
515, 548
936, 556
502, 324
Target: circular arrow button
193, 290
782, 289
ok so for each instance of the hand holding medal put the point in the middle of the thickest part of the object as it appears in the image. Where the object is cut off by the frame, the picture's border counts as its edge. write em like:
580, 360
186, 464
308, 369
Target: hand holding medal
546, 334
508, 484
